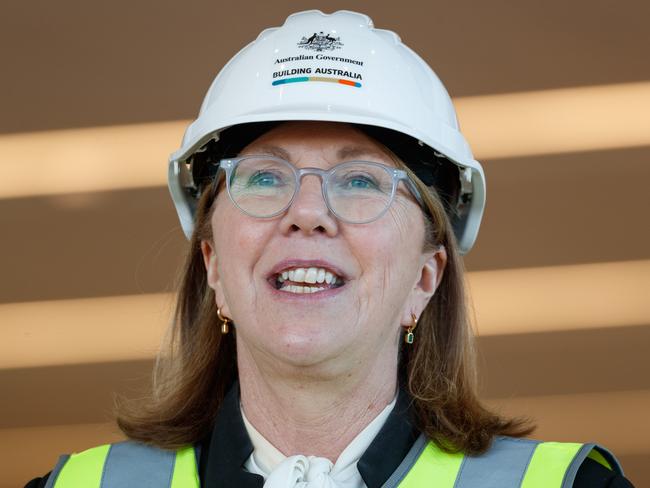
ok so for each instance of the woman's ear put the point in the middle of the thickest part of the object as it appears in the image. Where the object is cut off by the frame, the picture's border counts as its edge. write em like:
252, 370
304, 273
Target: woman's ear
440, 258
210, 263
429, 277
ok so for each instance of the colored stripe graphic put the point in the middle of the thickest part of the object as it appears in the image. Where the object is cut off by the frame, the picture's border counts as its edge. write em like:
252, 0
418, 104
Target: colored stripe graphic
301, 79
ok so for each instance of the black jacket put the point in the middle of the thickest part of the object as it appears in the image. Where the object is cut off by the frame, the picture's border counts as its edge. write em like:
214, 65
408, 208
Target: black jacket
224, 451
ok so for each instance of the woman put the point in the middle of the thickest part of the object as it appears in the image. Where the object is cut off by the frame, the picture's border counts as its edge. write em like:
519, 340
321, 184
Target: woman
321, 337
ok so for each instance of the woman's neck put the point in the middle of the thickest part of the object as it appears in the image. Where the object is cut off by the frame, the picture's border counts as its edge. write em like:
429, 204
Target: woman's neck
309, 413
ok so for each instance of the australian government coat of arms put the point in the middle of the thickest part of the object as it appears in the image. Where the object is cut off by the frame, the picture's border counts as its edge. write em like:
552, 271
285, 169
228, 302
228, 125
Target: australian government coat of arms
320, 42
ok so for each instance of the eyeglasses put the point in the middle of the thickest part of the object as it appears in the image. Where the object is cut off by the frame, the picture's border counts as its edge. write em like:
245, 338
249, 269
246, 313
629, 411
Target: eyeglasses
356, 192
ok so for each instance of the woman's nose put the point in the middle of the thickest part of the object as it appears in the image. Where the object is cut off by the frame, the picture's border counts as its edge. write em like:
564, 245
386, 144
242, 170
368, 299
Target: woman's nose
309, 213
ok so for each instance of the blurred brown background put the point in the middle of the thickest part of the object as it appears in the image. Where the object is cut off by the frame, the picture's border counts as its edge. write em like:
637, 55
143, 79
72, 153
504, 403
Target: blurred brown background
554, 97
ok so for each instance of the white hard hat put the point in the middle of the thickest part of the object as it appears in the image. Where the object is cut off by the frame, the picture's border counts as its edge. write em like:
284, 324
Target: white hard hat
337, 68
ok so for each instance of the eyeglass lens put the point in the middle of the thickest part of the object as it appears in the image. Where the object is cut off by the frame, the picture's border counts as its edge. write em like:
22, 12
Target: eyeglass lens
356, 191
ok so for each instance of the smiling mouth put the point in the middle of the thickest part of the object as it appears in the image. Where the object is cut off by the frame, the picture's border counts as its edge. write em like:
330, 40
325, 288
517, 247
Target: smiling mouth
306, 280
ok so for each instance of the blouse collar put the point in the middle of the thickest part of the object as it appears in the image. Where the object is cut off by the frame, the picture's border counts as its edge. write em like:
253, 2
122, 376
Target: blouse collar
266, 457
225, 451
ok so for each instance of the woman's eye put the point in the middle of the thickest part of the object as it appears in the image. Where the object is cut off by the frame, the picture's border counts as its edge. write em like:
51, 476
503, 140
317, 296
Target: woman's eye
264, 179
359, 182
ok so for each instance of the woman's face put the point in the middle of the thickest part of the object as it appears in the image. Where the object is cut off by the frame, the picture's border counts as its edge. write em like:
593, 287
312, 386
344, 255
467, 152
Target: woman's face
382, 271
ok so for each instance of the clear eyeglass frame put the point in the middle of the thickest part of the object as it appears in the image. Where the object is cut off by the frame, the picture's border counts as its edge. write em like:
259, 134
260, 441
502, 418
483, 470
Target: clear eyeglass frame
229, 165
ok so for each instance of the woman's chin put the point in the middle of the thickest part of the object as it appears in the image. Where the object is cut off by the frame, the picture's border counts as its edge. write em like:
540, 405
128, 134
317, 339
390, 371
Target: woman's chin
301, 336
302, 348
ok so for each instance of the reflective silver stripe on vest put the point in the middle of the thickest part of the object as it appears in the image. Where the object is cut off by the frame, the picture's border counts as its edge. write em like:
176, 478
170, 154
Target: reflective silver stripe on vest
407, 463
503, 465
57, 469
584, 451
134, 465
571, 473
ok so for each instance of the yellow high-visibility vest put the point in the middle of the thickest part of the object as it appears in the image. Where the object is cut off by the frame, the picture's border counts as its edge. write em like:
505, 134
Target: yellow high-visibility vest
509, 463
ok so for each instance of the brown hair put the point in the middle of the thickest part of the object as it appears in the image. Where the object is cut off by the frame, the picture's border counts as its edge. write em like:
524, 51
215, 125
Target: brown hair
198, 366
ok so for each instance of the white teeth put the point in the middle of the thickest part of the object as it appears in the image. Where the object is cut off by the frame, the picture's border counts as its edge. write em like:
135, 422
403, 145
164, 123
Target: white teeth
311, 275
329, 278
302, 289
298, 275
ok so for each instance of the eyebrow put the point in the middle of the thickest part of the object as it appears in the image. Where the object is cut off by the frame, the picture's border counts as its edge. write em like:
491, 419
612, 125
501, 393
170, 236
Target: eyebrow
352, 152
343, 154
273, 151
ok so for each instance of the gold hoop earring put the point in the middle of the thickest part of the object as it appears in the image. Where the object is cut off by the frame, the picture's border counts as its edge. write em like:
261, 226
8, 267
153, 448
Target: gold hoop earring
225, 322
409, 337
